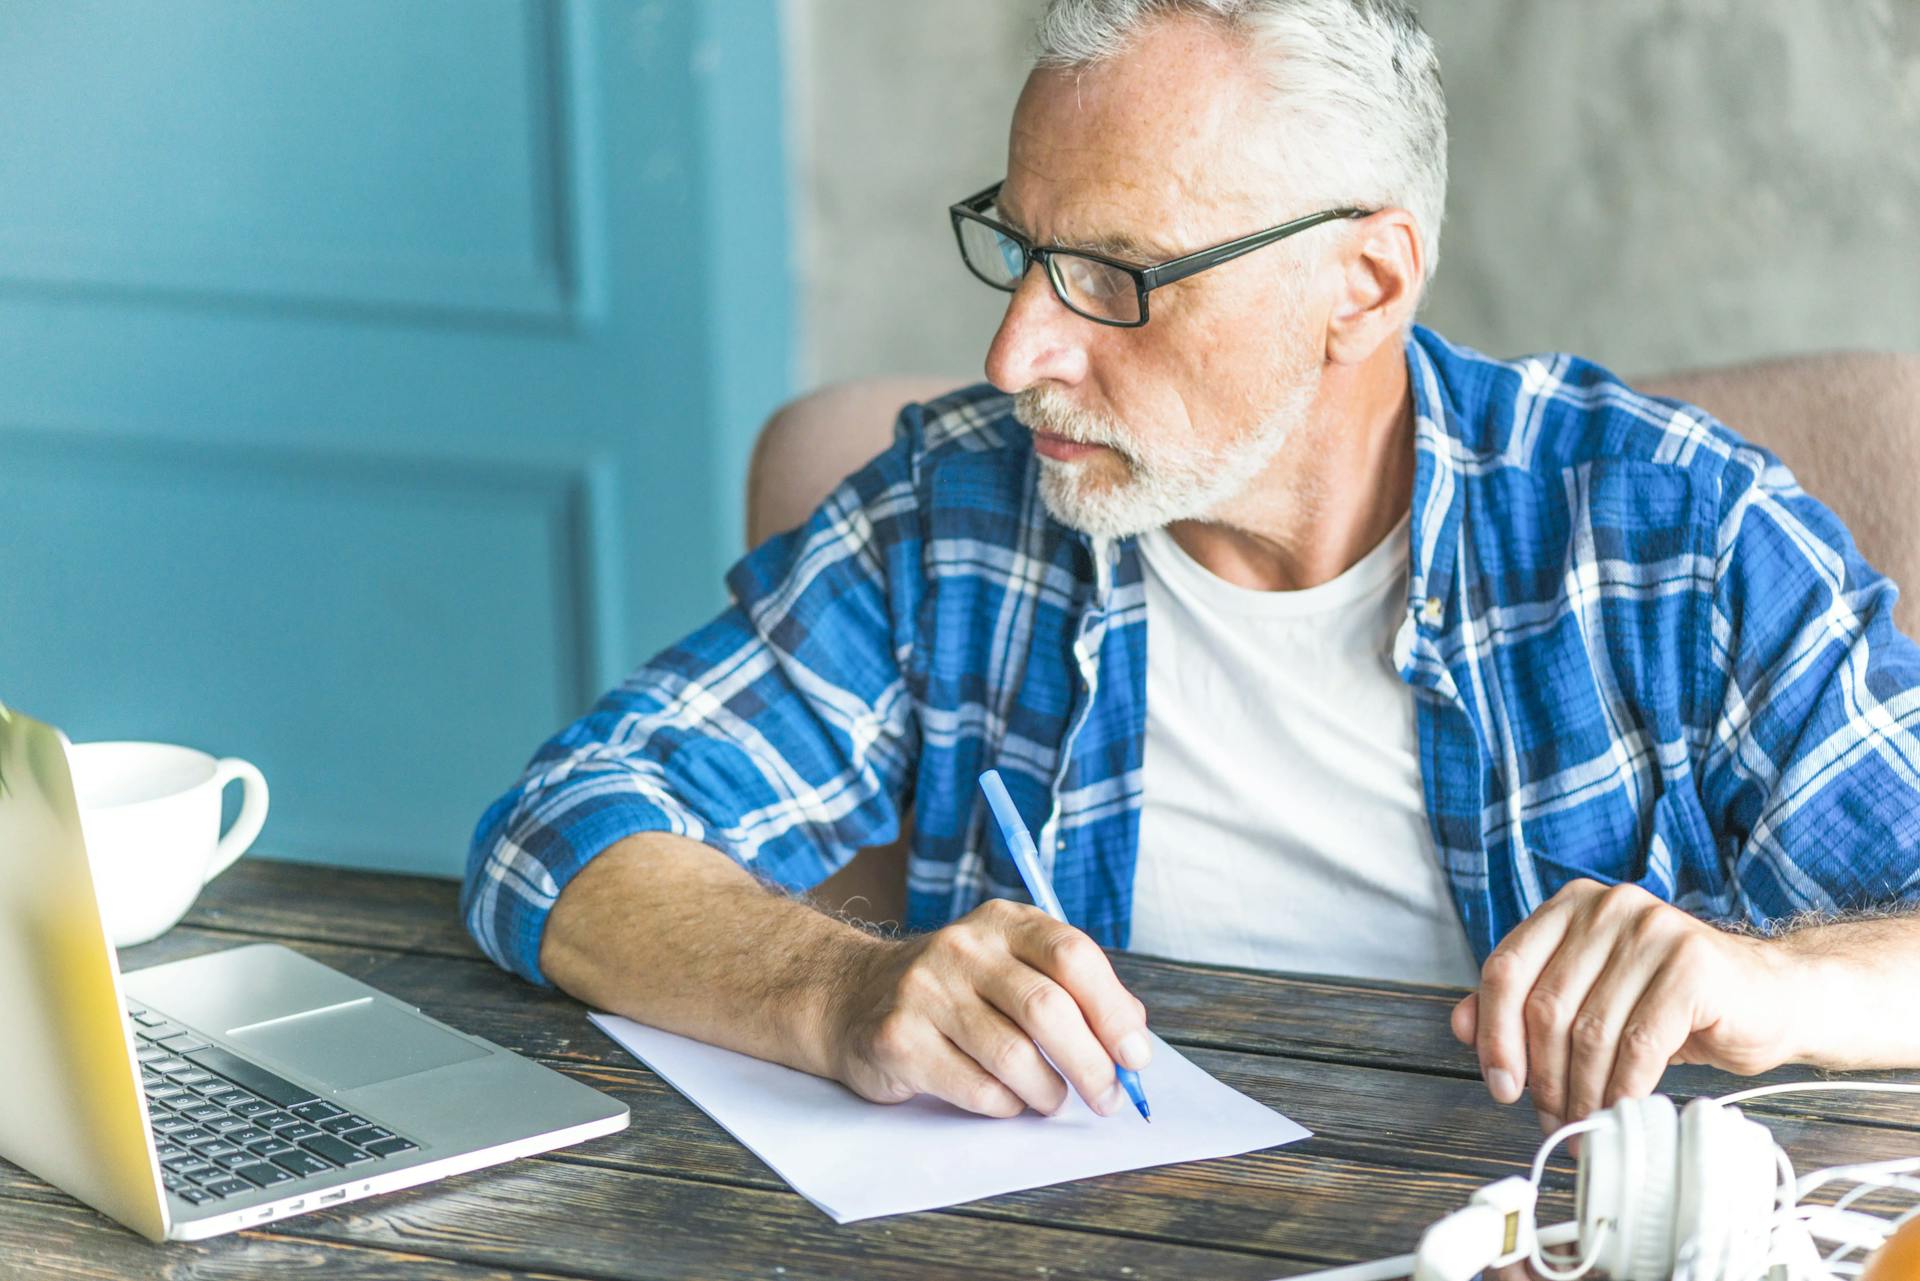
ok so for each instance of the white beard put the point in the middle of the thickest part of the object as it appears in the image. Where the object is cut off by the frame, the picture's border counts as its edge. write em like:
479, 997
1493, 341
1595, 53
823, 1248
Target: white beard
1165, 484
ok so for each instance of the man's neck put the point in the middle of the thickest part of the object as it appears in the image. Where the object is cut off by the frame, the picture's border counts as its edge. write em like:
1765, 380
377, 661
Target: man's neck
1336, 489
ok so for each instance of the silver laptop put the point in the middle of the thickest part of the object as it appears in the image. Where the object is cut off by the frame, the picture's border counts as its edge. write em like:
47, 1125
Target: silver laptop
222, 1091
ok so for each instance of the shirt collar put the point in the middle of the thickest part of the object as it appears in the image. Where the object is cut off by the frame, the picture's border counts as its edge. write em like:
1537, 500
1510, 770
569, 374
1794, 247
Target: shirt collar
1437, 498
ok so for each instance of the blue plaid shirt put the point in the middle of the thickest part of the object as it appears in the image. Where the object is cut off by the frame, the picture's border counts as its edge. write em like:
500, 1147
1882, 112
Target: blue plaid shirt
1638, 652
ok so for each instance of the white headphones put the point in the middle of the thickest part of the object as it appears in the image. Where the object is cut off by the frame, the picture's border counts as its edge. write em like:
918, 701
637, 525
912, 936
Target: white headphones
1664, 1194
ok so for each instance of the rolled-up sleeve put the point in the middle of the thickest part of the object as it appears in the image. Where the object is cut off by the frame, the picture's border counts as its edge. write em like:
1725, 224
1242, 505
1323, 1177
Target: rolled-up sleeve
1813, 767
782, 733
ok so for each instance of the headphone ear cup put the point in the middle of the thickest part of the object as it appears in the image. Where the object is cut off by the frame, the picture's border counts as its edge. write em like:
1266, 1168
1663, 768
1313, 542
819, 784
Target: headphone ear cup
1729, 1184
1626, 1190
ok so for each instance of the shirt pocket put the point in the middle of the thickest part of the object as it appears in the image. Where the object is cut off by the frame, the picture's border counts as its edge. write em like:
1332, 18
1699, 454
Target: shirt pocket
1681, 858
1670, 853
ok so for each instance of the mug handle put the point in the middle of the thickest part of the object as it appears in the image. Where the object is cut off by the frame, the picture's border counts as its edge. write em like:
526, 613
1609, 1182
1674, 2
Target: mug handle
252, 816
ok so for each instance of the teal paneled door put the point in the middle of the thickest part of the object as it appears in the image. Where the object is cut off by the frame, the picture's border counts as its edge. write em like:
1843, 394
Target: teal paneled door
376, 378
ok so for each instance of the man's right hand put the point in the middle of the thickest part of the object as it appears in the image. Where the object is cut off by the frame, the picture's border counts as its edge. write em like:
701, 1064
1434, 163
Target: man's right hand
967, 1012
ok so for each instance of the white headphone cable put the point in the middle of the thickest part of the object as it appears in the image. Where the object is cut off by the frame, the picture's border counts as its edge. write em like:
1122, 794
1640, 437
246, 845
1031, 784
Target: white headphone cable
1401, 1265
1812, 1087
1560, 1269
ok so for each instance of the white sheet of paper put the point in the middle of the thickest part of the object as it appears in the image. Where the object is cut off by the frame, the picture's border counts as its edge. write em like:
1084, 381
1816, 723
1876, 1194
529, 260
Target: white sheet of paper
858, 1160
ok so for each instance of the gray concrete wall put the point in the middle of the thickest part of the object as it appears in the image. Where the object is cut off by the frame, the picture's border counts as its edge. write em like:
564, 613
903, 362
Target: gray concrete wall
1652, 183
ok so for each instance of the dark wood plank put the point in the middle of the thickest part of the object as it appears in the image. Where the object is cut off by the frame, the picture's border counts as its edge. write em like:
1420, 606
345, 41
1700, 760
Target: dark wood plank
62, 1240
302, 901
548, 1217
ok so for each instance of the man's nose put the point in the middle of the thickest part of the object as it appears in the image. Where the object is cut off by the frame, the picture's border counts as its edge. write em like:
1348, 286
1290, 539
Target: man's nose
1039, 340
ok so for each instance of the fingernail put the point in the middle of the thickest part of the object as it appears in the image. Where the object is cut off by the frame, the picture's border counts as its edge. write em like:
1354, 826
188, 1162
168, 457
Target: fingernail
1549, 1123
1110, 1101
1501, 1084
1135, 1050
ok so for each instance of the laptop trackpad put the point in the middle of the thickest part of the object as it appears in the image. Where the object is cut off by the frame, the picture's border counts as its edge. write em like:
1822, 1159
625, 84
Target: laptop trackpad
354, 1044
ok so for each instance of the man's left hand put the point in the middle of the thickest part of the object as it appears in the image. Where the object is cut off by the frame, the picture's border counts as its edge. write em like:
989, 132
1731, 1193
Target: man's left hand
1588, 1000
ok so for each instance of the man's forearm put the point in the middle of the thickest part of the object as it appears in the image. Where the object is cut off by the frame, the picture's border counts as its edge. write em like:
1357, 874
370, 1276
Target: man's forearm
674, 934
1859, 992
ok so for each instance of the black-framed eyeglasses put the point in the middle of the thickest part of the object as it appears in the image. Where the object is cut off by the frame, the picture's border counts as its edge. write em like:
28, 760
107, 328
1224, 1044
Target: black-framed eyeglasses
1109, 290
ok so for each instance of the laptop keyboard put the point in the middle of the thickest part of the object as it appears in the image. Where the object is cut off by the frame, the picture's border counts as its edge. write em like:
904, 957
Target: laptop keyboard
224, 1126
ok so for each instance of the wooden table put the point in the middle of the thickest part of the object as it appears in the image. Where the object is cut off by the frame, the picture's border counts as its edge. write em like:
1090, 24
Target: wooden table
1403, 1132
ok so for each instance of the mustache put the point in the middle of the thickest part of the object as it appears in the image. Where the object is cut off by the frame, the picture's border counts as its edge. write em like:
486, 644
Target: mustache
1047, 409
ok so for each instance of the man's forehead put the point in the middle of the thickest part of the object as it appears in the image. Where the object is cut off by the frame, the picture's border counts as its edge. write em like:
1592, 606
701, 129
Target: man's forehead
1152, 146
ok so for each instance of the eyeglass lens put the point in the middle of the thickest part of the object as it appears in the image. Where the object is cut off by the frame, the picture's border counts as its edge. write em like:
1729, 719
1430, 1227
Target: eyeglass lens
1088, 286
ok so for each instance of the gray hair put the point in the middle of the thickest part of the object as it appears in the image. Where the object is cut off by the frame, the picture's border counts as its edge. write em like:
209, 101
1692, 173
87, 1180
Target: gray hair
1358, 78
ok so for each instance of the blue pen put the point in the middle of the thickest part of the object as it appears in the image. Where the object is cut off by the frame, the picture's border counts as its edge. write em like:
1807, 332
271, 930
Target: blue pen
1020, 845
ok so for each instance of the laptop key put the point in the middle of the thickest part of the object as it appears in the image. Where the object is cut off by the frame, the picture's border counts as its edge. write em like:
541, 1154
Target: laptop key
296, 1161
364, 1135
148, 1053
344, 1122
228, 1186
183, 1162
247, 1135
263, 1174
251, 1109
182, 1042
295, 1132
317, 1110
164, 1150
229, 1097
244, 1074
201, 1171
192, 1196
334, 1150
168, 1094
154, 1031
196, 1078
168, 1065
389, 1147
170, 1124
228, 1124
206, 1112
269, 1147
192, 1136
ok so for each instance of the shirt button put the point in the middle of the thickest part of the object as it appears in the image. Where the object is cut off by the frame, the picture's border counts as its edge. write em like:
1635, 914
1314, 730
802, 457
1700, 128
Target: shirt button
1430, 613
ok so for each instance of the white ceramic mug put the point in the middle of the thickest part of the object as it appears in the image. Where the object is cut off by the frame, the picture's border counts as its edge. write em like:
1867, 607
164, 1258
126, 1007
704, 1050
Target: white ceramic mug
151, 816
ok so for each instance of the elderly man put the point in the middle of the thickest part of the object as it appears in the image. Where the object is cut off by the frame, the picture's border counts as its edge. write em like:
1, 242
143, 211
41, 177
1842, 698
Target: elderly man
1302, 637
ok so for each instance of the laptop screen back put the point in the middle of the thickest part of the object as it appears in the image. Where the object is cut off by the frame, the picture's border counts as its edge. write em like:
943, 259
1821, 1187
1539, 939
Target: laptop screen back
72, 1112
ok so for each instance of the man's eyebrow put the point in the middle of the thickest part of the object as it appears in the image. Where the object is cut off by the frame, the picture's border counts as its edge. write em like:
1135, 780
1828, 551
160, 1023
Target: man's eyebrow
1115, 245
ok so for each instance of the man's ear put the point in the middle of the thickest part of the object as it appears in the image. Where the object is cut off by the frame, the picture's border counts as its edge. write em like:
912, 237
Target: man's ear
1381, 269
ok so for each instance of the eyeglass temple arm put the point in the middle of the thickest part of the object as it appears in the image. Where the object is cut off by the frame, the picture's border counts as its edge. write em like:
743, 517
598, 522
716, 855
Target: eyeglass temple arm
1180, 268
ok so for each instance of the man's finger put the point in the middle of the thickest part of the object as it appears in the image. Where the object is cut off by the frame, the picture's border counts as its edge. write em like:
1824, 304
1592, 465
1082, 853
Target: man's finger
992, 1040
1465, 1019
1594, 1037
947, 1072
1651, 1038
1052, 1020
1078, 964
1505, 980
1552, 1011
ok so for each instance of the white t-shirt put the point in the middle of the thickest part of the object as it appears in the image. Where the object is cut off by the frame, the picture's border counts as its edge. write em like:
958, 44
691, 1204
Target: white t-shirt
1283, 825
